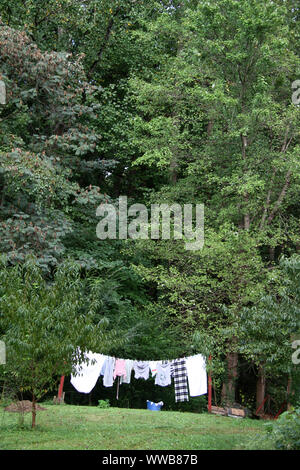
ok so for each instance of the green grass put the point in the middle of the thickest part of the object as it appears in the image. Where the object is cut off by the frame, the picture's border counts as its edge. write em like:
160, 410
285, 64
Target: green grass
64, 427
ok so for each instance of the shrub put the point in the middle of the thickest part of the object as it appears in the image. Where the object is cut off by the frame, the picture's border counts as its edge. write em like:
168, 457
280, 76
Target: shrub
285, 432
103, 404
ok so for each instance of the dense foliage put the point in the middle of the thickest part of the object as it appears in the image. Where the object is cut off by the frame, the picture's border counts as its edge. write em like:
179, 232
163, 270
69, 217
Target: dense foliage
285, 433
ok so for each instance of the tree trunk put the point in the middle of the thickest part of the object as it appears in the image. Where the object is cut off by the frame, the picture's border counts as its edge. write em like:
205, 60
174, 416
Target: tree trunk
209, 127
260, 388
229, 387
173, 172
272, 254
247, 215
288, 392
33, 412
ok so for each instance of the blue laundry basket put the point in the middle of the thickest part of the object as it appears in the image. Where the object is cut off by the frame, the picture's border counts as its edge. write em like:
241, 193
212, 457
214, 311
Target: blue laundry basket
153, 406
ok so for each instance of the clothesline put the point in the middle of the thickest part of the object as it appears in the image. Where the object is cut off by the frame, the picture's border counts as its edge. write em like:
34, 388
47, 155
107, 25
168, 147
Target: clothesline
189, 373
149, 360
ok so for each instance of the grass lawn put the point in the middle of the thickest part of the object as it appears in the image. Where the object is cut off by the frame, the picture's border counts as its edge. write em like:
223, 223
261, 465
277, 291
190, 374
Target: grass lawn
65, 427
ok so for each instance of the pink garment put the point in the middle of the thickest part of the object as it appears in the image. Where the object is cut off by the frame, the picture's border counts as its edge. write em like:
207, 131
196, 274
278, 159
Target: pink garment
120, 368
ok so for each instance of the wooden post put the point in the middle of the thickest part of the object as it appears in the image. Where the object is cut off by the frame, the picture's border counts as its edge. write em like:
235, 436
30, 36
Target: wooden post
209, 385
60, 390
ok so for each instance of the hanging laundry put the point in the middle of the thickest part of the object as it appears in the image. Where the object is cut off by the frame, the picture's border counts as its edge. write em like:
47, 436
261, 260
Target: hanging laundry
141, 369
128, 367
197, 376
153, 367
163, 375
108, 371
179, 374
120, 369
86, 374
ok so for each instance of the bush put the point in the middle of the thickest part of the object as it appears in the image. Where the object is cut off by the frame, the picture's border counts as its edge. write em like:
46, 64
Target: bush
103, 404
285, 432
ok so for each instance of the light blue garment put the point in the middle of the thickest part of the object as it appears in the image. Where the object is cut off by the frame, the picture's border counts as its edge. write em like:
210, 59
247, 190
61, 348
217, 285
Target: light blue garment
163, 375
108, 371
128, 367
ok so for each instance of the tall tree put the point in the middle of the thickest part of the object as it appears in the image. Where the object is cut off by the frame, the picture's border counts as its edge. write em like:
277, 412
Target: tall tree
47, 328
44, 142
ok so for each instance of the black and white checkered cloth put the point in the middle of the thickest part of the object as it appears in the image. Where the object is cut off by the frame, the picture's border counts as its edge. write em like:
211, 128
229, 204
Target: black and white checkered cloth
179, 374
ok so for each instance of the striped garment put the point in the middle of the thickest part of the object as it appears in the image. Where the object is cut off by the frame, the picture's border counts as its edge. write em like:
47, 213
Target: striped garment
179, 374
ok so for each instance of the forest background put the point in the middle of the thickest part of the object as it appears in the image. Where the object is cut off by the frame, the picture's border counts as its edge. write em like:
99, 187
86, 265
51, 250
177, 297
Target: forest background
168, 101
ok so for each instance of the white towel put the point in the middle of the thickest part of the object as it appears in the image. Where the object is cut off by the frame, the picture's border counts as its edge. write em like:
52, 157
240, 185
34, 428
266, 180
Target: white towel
197, 376
86, 375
